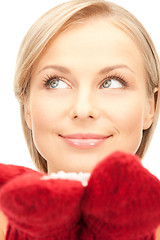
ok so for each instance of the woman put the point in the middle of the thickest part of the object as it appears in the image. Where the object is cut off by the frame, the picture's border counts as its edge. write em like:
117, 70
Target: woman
87, 80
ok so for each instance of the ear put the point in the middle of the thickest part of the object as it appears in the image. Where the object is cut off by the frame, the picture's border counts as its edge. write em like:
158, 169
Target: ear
149, 116
27, 115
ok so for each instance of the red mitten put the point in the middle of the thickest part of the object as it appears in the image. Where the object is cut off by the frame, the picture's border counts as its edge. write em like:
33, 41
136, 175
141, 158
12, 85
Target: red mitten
121, 201
41, 209
8, 172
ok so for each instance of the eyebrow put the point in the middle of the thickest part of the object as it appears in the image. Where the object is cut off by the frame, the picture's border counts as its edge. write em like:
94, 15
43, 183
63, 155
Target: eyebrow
102, 71
111, 68
56, 67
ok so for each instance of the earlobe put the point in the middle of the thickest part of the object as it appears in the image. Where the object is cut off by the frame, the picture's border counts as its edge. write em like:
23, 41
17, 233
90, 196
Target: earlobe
149, 117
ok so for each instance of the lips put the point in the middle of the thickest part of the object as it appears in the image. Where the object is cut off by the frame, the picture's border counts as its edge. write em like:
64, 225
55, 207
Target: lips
84, 140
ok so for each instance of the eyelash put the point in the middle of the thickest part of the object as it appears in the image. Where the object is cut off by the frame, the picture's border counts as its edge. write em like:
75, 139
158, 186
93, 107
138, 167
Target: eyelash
50, 78
116, 77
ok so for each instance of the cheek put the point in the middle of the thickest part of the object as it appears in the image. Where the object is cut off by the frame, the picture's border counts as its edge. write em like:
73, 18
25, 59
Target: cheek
130, 117
127, 115
131, 129
46, 112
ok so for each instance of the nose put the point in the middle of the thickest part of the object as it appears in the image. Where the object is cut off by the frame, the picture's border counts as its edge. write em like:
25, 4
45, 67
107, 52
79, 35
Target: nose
84, 106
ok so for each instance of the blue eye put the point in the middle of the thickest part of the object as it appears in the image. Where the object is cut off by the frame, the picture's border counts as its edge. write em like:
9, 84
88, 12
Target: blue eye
106, 83
57, 84
114, 82
53, 82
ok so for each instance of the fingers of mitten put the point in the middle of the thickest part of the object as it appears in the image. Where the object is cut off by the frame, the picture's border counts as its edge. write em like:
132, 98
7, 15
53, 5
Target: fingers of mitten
122, 196
40, 206
16, 234
8, 172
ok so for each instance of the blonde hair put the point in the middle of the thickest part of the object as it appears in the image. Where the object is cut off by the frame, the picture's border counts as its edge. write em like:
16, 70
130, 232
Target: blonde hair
58, 20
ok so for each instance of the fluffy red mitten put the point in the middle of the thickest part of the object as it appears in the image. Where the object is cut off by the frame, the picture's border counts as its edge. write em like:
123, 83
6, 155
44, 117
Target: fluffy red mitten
8, 172
121, 201
41, 209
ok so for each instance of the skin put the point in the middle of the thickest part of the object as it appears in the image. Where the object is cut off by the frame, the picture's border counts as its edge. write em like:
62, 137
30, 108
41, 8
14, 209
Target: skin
3, 226
79, 103
158, 233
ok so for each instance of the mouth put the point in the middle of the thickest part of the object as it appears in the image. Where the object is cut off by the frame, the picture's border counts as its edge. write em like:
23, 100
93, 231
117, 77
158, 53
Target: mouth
84, 141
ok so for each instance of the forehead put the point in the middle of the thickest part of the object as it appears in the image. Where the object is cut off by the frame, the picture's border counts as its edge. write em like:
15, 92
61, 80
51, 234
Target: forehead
96, 40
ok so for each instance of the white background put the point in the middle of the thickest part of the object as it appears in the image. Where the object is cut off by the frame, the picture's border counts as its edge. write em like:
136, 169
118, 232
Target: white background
15, 19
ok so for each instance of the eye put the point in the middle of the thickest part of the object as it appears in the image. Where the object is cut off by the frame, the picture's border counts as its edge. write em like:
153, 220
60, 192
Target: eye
114, 82
54, 82
57, 84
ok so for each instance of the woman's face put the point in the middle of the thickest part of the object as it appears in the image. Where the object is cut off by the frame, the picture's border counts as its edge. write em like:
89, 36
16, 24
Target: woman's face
88, 97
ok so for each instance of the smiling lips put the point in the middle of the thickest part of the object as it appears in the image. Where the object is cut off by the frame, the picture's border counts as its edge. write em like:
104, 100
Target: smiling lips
84, 140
